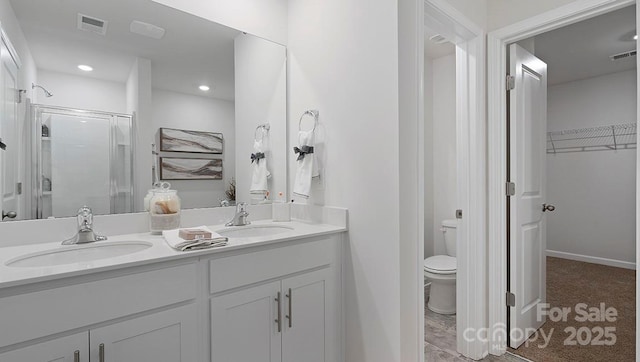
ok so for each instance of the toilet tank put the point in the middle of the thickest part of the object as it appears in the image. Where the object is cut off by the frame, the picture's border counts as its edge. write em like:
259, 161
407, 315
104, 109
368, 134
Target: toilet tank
449, 230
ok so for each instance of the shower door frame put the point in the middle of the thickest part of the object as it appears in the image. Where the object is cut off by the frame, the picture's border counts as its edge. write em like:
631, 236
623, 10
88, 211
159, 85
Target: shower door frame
36, 149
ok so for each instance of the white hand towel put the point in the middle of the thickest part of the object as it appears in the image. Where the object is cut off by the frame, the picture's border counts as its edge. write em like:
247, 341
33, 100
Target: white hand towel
306, 168
178, 243
259, 172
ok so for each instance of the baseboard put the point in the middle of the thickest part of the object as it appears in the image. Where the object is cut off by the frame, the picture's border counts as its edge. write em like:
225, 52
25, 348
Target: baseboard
592, 259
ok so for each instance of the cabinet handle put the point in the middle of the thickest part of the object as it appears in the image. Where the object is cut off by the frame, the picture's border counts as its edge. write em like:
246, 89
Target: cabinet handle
279, 319
76, 356
101, 352
290, 316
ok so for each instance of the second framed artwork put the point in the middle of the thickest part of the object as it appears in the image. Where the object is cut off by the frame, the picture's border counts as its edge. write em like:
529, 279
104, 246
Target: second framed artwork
190, 168
178, 140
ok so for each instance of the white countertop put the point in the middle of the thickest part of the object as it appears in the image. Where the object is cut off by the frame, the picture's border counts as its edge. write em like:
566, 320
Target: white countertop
160, 251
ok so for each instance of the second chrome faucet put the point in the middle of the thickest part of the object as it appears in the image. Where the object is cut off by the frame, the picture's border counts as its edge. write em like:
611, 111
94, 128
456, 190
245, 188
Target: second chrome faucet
240, 218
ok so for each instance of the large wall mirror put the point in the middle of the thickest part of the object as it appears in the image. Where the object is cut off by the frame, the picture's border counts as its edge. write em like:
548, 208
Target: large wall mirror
114, 95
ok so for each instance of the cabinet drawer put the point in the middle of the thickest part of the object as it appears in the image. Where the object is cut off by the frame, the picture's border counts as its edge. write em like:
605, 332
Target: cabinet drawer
236, 271
32, 315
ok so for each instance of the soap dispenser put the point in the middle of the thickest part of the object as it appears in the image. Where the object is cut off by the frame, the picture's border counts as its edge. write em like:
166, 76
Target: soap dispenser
280, 209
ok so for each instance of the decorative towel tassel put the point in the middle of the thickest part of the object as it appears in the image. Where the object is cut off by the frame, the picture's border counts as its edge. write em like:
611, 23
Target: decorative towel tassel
256, 157
302, 151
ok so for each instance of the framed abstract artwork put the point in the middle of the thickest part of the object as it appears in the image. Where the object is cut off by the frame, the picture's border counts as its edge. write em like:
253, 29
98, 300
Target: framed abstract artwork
190, 168
177, 140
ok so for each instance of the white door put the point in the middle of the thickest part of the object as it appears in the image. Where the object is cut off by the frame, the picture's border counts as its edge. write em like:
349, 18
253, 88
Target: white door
72, 348
308, 318
169, 336
527, 243
9, 132
247, 325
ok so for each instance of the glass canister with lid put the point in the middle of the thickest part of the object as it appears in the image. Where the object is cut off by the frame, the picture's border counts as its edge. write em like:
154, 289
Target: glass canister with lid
164, 209
150, 193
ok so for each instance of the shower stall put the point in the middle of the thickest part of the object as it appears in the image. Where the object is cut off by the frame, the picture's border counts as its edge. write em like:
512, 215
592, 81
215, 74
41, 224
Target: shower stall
81, 158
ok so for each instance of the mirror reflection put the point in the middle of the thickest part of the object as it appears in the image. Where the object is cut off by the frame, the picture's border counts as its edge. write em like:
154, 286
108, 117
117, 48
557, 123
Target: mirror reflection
116, 95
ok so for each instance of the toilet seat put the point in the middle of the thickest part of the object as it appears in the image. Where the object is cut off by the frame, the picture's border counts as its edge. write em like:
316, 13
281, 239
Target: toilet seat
440, 264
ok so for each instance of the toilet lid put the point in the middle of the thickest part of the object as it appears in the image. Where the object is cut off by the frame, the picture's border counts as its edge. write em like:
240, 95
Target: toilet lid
440, 264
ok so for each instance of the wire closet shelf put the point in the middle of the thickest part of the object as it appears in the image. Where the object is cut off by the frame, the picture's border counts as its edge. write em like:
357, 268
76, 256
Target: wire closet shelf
603, 138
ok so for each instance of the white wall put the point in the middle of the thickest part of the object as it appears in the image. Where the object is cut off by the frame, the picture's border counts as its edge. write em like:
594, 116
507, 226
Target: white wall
260, 97
263, 18
594, 192
185, 111
604, 100
343, 61
443, 153
506, 12
138, 96
428, 159
475, 10
74, 91
440, 149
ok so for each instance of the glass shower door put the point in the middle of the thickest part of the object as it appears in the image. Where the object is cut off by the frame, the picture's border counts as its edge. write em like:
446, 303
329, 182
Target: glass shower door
83, 158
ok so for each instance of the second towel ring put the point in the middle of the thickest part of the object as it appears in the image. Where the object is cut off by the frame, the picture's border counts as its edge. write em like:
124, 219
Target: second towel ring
313, 113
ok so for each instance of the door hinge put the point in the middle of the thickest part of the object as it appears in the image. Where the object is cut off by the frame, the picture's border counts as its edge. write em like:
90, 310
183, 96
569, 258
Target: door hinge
511, 188
459, 214
19, 188
511, 299
511, 82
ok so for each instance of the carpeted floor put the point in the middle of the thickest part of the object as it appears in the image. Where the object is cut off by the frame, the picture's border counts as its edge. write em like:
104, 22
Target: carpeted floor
572, 282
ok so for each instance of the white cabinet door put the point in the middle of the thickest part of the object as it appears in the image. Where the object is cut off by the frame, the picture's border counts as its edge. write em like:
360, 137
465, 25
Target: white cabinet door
169, 336
245, 325
309, 329
63, 349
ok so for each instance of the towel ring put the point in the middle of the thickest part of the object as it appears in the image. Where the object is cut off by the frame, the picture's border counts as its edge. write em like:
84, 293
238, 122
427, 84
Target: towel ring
313, 113
264, 128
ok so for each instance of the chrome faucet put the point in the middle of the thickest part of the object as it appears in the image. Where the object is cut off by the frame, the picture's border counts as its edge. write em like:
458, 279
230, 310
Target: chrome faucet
240, 219
85, 232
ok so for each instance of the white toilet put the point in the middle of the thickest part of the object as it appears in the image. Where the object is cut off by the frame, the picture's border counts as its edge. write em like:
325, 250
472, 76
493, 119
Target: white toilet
440, 270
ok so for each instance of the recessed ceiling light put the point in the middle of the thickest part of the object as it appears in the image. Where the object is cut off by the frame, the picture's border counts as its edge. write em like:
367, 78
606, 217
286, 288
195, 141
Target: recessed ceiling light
85, 68
204, 88
635, 37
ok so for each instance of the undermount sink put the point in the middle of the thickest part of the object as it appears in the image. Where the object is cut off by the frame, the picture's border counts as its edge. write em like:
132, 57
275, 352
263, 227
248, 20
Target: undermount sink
252, 231
79, 253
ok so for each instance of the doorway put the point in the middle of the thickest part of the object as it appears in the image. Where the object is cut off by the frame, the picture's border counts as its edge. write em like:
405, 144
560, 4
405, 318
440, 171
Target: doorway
575, 250
11, 200
498, 252
464, 205
440, 193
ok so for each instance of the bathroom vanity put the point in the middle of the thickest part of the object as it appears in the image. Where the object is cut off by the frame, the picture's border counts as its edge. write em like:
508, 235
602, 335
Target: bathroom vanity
261, 298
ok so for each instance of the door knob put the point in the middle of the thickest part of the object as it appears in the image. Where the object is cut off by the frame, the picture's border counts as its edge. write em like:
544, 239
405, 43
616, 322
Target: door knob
10, 215
548, 207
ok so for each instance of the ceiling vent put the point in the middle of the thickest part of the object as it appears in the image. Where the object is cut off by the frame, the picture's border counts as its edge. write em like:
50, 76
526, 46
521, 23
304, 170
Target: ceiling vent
146, 29
94, 25
629, 54
438, 39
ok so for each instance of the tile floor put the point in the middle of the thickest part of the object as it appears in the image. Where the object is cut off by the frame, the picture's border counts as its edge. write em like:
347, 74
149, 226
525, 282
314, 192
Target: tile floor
440, 339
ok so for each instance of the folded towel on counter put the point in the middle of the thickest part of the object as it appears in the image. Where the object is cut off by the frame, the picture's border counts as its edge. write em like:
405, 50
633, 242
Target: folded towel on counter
259, 172
306, 168
178, 243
